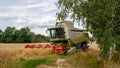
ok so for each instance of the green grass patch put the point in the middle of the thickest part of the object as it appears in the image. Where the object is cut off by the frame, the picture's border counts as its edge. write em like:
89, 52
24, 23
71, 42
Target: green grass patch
35, 62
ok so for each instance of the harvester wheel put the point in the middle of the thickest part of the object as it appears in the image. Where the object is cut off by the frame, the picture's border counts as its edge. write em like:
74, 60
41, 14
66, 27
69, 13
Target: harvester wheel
84, 47
78, 46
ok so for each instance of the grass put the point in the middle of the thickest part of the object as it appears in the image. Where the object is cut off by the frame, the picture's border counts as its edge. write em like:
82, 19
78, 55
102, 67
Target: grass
116, 57
77, 60
80, 59
35, 62
85, 60
90, 60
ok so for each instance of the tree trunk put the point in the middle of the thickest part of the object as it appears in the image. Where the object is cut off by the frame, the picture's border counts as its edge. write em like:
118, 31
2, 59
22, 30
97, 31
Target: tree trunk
111, 51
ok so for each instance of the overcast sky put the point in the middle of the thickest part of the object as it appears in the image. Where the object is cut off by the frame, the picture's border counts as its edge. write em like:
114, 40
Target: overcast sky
38, 15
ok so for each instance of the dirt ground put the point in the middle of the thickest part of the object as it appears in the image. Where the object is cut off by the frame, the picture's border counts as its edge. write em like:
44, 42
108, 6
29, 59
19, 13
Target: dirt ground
93, 46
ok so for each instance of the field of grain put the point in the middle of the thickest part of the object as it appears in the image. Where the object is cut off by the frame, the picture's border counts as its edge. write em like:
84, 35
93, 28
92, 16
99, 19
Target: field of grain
11, 53
18, 51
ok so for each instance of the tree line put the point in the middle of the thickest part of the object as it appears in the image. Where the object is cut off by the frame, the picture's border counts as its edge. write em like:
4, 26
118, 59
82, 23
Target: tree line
23, 35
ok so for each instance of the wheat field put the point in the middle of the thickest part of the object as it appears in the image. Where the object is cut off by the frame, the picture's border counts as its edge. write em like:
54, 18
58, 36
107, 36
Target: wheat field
11, 53
18, 51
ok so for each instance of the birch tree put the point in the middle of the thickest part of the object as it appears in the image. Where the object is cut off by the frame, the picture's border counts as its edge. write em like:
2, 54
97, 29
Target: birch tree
101, 17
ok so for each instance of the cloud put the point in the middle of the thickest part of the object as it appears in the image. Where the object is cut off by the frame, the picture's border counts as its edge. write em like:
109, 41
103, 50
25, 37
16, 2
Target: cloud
42, 20
0, 24
45, 6
11, 15
36, 14
39, 31
21, 7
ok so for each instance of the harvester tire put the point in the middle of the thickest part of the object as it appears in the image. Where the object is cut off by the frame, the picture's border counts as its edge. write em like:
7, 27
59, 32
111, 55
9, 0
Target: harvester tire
78, 46
84, 47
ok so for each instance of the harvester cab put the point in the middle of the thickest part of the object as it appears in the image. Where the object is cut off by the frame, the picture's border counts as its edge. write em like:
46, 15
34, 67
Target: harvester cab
65, 38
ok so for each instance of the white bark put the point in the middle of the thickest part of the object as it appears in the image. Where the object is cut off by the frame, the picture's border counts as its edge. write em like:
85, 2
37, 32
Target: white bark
111, 51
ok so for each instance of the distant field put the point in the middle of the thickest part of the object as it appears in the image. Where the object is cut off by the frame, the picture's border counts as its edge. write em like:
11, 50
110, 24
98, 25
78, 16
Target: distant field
17, 45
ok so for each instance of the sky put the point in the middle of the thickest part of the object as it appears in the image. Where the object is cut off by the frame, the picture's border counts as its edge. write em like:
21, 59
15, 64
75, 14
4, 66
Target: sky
38, 15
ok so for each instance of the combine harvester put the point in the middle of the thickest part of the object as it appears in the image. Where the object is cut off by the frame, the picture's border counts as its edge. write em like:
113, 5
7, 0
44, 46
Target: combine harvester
65, 38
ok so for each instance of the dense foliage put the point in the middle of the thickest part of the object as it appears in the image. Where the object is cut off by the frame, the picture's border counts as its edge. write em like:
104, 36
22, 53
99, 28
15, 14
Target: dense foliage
24, 35
101, 17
